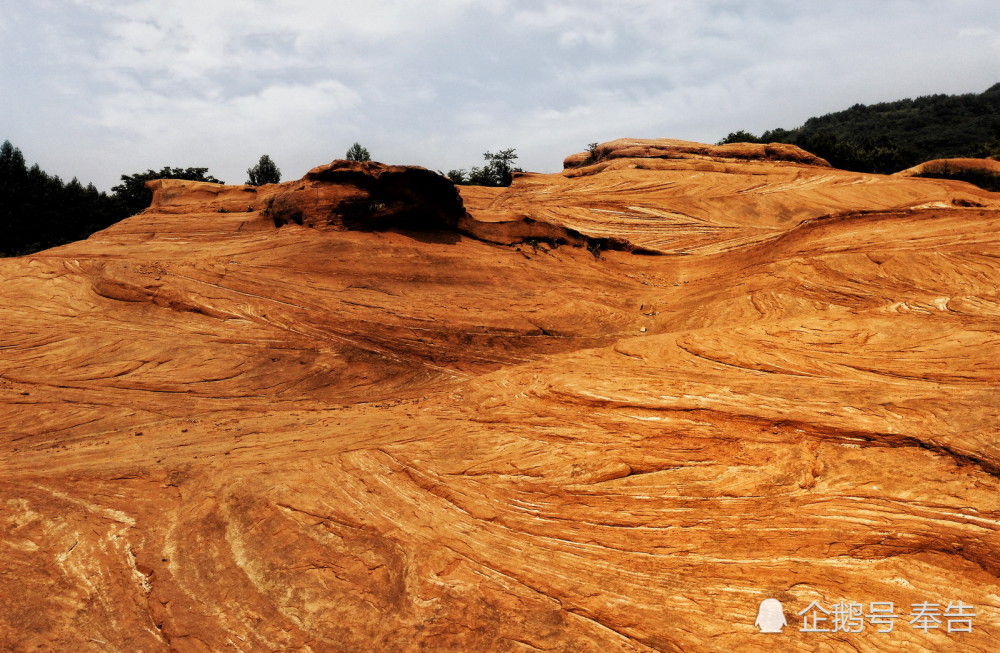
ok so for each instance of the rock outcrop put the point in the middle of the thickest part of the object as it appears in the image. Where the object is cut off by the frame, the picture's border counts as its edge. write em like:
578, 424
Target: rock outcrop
675, 197
380, 429
672, 149
988, 165
365, 196
368, 196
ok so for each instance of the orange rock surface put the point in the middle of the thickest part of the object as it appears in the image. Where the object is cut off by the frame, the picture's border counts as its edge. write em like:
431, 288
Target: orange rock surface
610, 409
987, 165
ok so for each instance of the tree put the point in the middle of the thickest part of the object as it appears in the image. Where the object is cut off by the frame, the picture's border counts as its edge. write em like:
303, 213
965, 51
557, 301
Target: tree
358, 153
38, 210
12, 164
740, 136
458, 176
13, 197
889, 136
989, 150
498, 171
265, 172
133, 195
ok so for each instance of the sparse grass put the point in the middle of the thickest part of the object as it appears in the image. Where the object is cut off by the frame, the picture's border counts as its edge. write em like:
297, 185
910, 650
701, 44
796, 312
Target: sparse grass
983, 178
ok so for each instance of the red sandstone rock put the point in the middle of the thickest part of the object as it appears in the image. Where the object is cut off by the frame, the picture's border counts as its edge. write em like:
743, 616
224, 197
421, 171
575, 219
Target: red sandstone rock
367, 196
668, 148
219, 434
935, 165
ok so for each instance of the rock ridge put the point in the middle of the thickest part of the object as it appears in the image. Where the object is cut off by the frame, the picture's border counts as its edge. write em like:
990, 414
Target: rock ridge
667, 148
219, 434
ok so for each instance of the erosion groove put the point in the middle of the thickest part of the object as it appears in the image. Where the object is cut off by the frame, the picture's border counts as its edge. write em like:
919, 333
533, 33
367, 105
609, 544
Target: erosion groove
368, 410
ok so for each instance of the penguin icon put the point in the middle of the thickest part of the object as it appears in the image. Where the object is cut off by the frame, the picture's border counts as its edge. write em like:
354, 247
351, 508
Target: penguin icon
770, 616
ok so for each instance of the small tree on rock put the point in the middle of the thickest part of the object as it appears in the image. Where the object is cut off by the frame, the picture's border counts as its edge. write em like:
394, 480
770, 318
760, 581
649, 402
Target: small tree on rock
358, 153
498, 171
265, 172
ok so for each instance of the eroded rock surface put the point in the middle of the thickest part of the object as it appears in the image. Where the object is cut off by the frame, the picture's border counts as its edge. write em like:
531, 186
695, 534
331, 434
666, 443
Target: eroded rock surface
669, 148
221, 434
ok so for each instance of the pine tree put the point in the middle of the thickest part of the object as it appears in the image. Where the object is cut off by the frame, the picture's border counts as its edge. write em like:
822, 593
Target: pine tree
265, 172
358, 153
14, 225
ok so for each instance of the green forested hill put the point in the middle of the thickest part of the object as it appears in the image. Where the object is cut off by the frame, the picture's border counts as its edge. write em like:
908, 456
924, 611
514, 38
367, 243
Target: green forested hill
891, 136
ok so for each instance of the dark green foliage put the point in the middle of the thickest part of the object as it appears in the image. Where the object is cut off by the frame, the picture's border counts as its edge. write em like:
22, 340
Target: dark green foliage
358, 153
740, 137
879, 155
133, 194
498, 171
978, 176
890, 136
38, 210
458, 176
265, 172
11, 162
989, 150
591, 154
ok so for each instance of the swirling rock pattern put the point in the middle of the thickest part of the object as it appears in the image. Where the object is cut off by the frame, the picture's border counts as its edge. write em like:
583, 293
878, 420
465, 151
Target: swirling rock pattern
490, 431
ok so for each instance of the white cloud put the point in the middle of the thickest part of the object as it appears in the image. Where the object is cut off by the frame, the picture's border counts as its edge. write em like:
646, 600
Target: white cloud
437, 82
975, 32
165, 116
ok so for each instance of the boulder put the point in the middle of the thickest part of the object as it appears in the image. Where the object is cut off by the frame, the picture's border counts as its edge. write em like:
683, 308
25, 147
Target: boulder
367, 196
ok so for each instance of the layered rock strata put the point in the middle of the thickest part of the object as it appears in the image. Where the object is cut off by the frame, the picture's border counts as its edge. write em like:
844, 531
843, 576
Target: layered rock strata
382, 429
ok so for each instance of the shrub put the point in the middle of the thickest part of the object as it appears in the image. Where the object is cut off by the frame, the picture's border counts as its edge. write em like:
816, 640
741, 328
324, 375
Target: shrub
265, 172
498, 170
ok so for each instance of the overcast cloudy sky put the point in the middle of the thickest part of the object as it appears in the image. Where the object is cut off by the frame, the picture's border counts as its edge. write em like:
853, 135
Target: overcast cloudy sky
99, 88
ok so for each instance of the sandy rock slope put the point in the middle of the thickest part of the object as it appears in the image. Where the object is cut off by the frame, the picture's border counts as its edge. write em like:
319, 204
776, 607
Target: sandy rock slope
609, 409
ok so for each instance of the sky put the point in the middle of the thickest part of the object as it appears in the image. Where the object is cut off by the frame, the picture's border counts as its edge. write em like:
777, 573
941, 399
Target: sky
95, 89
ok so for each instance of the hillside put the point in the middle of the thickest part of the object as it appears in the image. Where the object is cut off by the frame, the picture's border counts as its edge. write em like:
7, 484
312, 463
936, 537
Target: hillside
889, 136
608, 409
